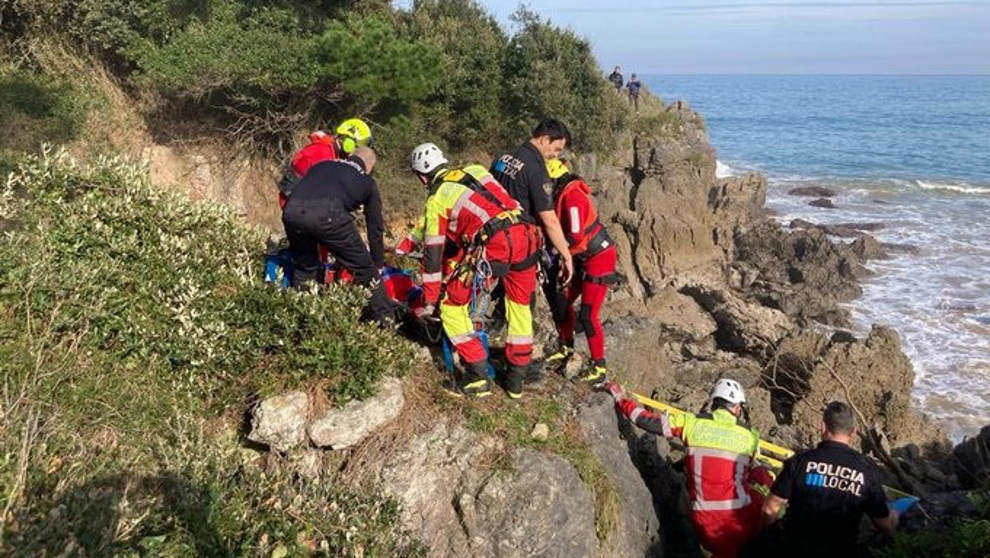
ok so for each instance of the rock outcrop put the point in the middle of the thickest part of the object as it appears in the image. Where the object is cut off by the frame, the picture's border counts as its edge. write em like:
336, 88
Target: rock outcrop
292, 420
670, 217
637, 529
457, 503
341, 428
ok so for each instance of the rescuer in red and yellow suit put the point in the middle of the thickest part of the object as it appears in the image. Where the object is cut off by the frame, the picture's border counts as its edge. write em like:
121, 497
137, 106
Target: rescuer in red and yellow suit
472, 226
724, 484
594, 257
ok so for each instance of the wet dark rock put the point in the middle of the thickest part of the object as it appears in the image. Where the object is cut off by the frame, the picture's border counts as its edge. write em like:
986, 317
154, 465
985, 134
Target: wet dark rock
842, 336
971, 460
822, 202
909, 249
812, 191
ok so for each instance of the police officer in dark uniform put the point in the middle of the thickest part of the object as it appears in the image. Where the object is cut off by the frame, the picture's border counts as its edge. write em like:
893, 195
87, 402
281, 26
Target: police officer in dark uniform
827, 491
319, 212
522, 171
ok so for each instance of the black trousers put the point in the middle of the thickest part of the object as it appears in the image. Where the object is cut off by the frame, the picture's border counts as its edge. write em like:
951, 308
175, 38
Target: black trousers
310, 222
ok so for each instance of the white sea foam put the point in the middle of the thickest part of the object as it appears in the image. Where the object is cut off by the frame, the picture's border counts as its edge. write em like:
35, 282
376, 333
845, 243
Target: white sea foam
938, 300
961, 188
723, 170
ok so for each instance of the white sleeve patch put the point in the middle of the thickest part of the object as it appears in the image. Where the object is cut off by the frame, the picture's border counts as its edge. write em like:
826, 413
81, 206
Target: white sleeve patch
575, 221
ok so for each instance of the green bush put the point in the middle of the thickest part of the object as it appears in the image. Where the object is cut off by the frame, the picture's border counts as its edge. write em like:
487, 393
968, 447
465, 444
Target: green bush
35, 108
154, 278
549, 71
134, 331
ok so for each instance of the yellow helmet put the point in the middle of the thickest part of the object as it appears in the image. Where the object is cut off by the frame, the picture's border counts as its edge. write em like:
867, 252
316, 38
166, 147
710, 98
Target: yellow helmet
354, 133
556, 168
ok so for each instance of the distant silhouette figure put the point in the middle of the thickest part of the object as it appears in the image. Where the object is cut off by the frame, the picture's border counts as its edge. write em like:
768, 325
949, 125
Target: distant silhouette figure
616, 78
633, 88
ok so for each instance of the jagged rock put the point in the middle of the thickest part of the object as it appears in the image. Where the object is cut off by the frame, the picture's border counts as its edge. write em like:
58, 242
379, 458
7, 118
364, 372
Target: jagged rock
540, 509
812, 191
837, 229
901, 248
340, 428
425, 474
971, 460
308, 463
801, 272
867, 248
637, 528
823, 203
674, 167
742, 326
457, 504
280, 421
573, 366
873, 374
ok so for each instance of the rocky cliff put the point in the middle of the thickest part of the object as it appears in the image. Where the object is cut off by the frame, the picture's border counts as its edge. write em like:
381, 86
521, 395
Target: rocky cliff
714, 288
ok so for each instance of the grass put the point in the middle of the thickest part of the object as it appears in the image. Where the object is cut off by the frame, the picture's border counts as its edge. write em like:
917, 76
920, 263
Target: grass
134, 332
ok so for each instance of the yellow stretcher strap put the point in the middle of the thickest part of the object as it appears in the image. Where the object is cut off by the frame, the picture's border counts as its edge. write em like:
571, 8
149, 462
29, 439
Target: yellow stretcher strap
765, 446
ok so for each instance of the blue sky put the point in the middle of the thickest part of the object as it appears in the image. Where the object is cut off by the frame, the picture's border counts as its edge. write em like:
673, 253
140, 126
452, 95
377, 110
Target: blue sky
733, 36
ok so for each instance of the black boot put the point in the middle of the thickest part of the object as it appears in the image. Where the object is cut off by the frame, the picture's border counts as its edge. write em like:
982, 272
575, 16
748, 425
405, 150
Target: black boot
514, 380
473, 383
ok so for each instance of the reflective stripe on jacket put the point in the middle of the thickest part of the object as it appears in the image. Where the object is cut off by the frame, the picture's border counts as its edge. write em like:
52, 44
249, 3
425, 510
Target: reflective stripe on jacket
457, 212
720, 453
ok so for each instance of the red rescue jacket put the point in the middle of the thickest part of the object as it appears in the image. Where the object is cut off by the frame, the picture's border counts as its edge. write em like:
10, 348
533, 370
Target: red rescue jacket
585, 234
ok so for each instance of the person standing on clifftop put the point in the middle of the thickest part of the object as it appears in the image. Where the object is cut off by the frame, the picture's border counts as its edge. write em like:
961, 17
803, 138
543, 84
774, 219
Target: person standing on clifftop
616, 78
827, 490
725, 486
595, 258
633, 87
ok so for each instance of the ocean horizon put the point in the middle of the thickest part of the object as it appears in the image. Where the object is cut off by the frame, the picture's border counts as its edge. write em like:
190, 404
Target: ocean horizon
910, 151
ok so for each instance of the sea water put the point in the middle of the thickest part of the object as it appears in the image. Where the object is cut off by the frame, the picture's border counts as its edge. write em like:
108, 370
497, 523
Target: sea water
912, 152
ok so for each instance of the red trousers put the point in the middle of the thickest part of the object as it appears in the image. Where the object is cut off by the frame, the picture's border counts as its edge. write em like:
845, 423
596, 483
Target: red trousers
587, 285
724, 532
505, 250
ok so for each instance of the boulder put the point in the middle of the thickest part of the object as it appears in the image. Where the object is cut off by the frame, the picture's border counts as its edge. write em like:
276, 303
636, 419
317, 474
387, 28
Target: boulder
344, 427
868, 248
458, 504
822, 202
873, 374
971, 460
812, 191
280, 421
680, 316
542, 508
637, 530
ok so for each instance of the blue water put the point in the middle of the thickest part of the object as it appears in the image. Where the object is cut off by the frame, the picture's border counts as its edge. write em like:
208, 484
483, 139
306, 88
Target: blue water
912, 152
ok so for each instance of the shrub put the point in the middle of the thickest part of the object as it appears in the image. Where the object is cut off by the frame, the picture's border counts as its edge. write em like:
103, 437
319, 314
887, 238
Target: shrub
35, 108
549, 71
466, 108
153, 278
134, 330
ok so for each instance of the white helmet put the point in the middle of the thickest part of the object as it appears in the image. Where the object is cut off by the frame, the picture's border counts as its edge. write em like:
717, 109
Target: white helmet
729, 390
426, 158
